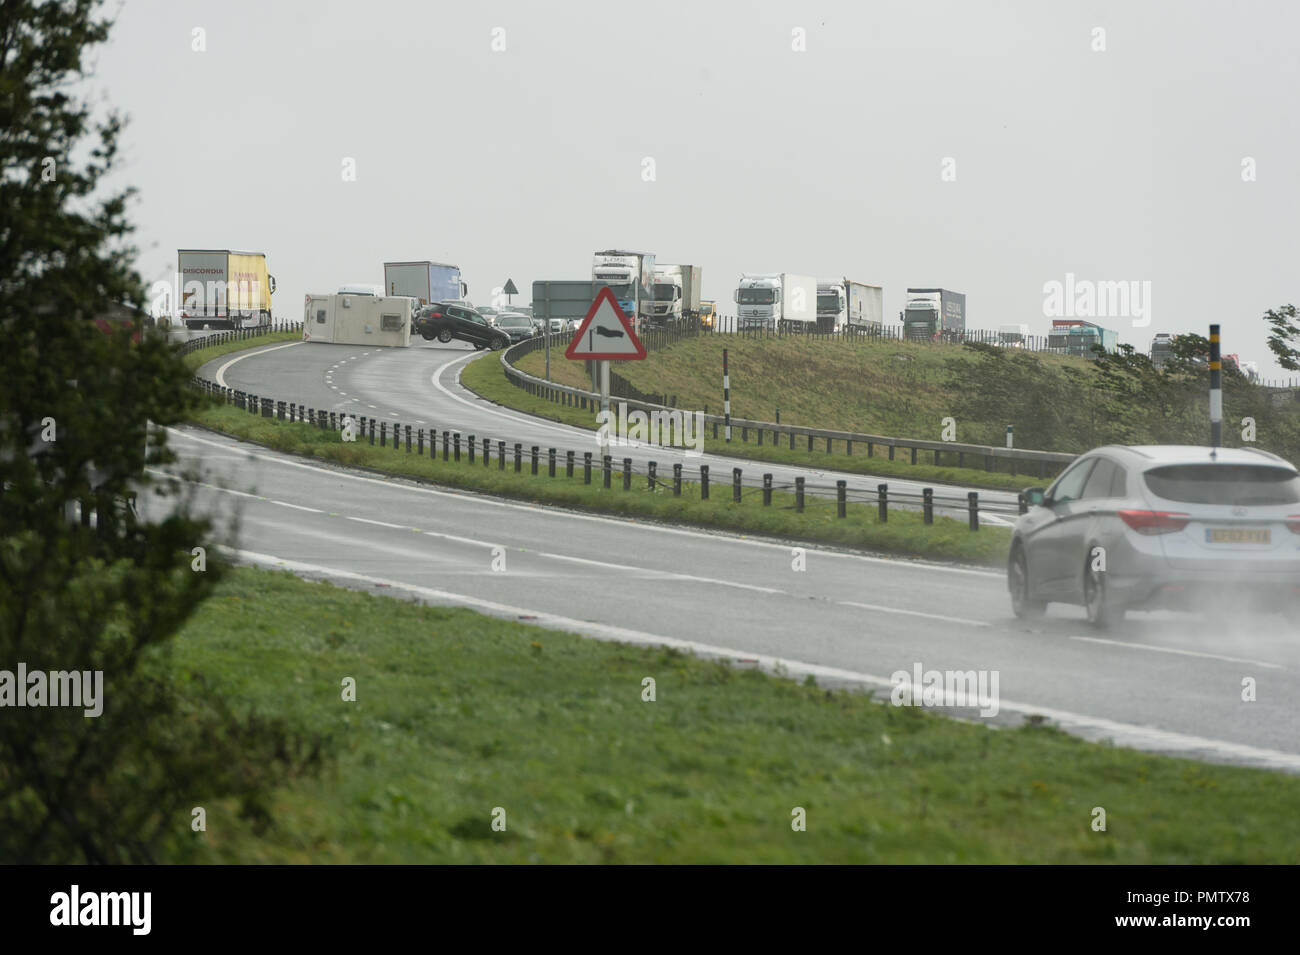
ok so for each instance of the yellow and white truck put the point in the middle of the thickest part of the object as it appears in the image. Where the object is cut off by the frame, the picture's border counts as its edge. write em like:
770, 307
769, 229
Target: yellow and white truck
224, 288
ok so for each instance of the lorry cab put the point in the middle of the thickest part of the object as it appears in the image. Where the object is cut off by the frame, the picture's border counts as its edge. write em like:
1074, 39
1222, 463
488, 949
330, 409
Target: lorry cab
708, 313
756, 300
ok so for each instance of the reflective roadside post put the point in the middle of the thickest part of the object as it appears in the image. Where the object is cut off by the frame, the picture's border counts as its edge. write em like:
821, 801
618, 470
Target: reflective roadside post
1216, 390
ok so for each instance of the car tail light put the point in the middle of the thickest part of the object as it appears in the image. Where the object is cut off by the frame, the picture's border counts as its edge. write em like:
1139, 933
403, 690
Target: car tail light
1151, 523
1293, 523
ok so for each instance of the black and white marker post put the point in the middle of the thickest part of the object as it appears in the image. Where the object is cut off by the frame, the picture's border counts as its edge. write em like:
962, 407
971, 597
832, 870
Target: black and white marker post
726, 396
1216, 390
604, 407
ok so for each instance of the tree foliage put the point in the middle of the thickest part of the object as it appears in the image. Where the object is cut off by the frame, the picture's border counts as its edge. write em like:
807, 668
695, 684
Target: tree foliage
75, 410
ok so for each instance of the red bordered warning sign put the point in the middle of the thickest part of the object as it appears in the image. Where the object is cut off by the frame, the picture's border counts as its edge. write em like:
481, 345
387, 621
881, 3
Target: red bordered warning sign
605, 333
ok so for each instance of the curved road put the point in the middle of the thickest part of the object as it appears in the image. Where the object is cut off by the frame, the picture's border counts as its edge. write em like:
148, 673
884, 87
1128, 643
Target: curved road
1163, 682
420, 386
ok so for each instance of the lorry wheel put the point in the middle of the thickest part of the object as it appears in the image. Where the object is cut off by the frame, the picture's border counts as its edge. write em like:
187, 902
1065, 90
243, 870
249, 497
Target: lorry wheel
444, 336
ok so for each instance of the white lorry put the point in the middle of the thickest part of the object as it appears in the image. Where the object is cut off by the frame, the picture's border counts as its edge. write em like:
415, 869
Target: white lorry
427, 282
677, 293
631, 277
776, 300
845, 304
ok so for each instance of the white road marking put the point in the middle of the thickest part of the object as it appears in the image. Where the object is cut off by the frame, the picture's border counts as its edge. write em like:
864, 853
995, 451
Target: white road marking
1123, 734
663, 574
221, 372
917, 613
1185, 653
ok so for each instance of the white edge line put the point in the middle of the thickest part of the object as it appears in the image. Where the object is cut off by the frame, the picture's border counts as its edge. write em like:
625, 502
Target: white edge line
1122, 734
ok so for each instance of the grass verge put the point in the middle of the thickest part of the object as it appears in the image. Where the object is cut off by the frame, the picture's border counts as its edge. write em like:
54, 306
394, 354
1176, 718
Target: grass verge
457, 714
486, 379
904, 533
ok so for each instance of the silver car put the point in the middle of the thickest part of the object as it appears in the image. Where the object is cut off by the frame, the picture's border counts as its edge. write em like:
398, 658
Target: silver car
1160, 526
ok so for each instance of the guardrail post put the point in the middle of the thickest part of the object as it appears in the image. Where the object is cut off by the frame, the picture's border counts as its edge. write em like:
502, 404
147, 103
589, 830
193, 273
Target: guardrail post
973, 506
408, 437
677, 480
627, 474
798, 495
810, 441
891, 452
383, 433
469, 443
767, 490
419, 443
568, 464
446, 444
519, 457
533, 461
744, 434
550, 462
501, 455
927, 505
841, 498
791, 440
704, 482
372, 428
914, 455
760, 436
650, 475
606, 465
279, 410
882, 505
456, 445
586, 467
735, 485
332, 422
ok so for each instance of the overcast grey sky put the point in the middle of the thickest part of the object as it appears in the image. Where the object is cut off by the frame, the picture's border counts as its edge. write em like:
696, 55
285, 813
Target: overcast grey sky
1117, 165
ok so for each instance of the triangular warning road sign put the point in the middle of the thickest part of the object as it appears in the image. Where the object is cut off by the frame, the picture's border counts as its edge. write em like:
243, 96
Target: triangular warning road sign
510, 288
605, 333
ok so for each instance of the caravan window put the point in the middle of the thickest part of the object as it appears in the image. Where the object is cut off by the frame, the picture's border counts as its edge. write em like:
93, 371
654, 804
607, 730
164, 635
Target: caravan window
390, 323
320, 316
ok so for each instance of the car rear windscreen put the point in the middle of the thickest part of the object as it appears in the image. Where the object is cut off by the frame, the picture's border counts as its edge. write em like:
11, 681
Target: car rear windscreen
1237, 485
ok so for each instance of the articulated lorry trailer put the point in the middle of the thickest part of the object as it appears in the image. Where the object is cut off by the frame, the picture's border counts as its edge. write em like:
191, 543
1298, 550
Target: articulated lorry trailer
427, 282
846, 304
677, 293
1076, 337
631, 277
224, 289
776, 300
934, 314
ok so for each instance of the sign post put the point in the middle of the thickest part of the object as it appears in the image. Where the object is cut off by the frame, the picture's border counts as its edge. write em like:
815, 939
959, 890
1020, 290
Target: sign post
605, 335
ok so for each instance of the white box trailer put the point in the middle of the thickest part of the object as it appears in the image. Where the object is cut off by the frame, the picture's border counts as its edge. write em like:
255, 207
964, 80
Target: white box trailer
843, 303
346, 319
425, 281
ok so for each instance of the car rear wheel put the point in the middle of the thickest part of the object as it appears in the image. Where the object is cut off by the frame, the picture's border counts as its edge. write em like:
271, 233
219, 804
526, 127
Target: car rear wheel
1102, 612
1023, 604
444, 336
477, 346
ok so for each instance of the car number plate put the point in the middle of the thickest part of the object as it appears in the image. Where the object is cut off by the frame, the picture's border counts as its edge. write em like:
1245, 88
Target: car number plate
1238, 535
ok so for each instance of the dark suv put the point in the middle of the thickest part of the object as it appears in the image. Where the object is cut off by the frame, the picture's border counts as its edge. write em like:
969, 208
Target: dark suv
447, 320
